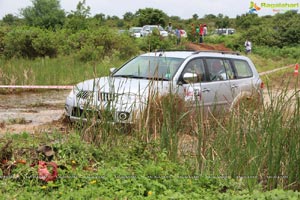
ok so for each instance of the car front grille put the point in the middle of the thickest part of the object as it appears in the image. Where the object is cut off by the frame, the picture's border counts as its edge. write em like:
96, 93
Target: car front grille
84, 94
89, 114
105, 96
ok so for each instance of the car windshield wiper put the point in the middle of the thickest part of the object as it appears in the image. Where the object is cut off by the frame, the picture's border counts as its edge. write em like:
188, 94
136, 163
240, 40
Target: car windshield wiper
158, 78
141, 77
130, 76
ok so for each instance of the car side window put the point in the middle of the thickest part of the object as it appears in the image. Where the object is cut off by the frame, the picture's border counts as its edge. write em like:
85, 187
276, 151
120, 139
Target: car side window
194, 72
243, 70
216, 69
229, 69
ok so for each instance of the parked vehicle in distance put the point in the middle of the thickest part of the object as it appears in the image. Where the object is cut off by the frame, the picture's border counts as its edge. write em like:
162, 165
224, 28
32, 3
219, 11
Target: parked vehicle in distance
122, 31
135, 31
206, 78
147, 29
225, 31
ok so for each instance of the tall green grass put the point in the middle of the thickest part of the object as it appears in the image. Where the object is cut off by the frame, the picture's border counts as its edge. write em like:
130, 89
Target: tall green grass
250, 148
54, 71
258, 145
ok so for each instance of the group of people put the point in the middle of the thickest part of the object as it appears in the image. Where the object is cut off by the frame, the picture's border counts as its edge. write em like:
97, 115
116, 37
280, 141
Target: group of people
177, 32
199, 32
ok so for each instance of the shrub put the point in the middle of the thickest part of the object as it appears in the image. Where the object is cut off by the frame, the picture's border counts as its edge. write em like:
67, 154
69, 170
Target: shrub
29, 42
276, 52
3, 32
156, 42
91, 45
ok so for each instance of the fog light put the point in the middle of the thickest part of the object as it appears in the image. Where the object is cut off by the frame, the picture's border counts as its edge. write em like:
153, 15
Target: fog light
122, 116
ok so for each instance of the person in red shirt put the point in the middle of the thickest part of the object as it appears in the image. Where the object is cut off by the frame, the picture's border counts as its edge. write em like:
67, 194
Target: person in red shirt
201, 33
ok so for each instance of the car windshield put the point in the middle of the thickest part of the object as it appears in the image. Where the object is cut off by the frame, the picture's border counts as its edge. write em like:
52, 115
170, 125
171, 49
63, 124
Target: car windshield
158, 27
150, 67
135, 30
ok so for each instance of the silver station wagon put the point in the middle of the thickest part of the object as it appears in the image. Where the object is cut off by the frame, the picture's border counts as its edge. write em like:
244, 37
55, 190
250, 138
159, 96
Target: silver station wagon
206, 78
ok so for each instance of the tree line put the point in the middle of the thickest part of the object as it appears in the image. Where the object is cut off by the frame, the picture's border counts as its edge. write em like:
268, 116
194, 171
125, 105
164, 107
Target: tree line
45, 29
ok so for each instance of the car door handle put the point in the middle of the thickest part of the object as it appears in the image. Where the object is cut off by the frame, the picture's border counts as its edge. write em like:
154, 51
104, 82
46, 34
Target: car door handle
234, 86
206, 90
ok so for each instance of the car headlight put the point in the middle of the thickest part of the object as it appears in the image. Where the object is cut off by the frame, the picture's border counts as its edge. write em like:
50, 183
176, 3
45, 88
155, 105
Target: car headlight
123, 116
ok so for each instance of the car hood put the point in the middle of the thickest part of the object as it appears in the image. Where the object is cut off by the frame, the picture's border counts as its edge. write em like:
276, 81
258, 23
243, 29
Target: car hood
164, 33
119, 85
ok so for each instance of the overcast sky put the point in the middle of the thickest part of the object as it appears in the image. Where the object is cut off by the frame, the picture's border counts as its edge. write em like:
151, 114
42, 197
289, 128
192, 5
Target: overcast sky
182, 8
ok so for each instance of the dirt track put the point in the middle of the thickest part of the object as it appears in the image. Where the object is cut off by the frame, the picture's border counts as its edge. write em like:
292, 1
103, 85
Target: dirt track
32, 111
203, 46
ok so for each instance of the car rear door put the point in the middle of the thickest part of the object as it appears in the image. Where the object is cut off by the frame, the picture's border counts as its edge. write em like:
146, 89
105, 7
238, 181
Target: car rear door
243, 80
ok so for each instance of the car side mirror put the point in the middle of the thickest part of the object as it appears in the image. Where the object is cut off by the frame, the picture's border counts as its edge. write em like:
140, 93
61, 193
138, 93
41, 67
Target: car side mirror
112, 70
190, 77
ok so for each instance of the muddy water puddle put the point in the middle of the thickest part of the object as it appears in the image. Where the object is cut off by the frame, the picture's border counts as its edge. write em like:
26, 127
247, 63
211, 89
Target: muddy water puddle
26, 110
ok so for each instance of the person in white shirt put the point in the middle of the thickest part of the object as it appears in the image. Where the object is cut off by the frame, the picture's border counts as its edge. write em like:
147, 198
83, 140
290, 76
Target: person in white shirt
248, 46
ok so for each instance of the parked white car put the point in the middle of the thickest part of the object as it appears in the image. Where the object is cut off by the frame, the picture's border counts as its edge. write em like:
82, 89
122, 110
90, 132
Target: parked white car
209, 79
225, 31
147, 29
135, 31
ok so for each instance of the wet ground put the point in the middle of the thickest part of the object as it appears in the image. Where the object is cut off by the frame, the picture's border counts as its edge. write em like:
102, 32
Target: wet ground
31, 110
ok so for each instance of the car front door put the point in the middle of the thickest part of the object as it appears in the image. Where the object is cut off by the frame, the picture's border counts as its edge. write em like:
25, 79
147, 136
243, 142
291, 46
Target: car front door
218, 92
193, 76
206, 82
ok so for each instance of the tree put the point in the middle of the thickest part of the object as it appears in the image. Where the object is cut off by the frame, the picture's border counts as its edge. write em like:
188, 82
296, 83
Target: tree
128, 16
100, 17
195, 16
77, 19
210, 16
82, 10
247, 20
174, 18
151, 16
222, 22
44, 13
287, 26
9, 19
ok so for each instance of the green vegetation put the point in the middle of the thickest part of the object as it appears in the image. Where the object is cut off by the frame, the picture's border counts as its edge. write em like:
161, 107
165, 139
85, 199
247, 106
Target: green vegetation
172, 153
251, 153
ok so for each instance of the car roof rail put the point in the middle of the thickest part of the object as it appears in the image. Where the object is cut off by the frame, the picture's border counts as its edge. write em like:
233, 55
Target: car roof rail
217, 51
171, 50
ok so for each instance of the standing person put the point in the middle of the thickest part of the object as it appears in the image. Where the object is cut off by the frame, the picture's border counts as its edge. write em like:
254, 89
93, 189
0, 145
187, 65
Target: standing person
197, 33
178, 35
248, 46
169, 28
205, 30
201, 32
